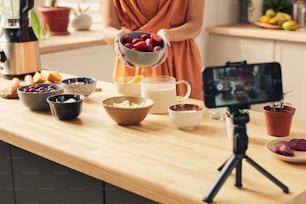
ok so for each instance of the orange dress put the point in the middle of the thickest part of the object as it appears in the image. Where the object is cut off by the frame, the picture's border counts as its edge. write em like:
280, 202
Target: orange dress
183, 61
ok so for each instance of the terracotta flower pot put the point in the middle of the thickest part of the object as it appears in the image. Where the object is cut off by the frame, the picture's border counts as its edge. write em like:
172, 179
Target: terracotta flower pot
57, 18
279, 123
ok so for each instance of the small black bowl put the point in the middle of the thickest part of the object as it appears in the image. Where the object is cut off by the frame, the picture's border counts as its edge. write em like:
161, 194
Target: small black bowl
66, 106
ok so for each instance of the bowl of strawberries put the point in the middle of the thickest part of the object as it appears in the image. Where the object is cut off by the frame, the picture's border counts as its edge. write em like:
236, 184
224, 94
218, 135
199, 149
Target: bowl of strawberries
142, 48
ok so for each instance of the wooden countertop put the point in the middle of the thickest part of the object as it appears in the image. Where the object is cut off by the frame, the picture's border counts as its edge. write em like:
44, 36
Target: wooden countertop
76, 39
253, 31
155, 159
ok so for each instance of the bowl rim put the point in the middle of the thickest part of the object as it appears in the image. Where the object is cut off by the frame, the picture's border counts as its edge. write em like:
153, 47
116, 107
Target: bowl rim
82, 98
199, 108
65, 81
139, 33
59, 87
149, 103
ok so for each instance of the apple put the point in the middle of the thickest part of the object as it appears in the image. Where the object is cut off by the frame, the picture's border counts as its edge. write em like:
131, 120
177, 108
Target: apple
290, 25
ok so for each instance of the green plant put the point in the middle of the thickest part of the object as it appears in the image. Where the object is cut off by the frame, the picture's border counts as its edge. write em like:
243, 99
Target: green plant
52, 3
241, 111
80, 11
39, 30
278, 106
278, 5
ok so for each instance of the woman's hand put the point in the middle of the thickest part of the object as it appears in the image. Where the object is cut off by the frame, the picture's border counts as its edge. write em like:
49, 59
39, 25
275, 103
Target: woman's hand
119, 34
163, 33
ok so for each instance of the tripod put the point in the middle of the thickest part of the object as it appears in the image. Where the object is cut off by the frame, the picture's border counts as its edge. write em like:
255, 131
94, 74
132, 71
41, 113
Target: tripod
240, 145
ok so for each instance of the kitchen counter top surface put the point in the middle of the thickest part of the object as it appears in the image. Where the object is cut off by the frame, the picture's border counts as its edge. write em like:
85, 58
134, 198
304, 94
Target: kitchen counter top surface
155, 159
76, 39
253, 31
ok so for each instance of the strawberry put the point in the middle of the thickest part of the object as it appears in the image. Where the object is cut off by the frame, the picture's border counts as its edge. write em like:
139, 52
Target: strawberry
156, 39
128, 45
140, 46
136, 40
149, 44
156, 48
127, 38
144, 36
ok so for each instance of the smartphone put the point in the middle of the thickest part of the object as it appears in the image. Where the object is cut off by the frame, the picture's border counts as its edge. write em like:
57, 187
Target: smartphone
242, 84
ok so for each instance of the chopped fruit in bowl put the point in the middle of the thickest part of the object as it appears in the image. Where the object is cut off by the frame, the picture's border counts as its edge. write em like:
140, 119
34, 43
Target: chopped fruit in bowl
129, 86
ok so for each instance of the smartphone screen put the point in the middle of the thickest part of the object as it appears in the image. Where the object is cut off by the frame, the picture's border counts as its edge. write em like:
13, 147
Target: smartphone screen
242, 84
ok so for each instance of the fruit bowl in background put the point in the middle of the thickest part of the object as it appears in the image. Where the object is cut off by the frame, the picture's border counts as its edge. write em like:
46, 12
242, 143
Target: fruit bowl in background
142, 48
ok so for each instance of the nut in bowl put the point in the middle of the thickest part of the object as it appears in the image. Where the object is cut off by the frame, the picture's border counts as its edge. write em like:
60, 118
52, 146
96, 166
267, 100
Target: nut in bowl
66, 106
79, 85
142, 48
186, 116
35, 96
127, 110
129, 86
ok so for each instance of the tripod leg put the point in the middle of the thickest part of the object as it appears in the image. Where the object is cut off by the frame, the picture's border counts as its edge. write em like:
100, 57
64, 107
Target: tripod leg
238, 182
221, 167
267, 174
225, 172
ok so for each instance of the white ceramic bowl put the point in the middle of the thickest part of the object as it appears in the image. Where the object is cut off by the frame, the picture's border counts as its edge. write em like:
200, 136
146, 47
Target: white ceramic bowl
186, 116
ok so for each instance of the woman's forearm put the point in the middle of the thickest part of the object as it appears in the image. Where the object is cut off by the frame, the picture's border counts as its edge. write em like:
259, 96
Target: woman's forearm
194, 21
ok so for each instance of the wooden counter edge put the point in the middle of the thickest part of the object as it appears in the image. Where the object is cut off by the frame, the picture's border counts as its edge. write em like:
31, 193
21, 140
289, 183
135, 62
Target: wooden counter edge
253, 31
74, 40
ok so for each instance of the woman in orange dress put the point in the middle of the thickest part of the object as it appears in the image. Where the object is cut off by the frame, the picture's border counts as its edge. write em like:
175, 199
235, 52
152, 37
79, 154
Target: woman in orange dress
179, 21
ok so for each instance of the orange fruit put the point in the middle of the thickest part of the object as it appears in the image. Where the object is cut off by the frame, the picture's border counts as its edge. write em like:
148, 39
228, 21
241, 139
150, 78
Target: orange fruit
54, 77
265, 19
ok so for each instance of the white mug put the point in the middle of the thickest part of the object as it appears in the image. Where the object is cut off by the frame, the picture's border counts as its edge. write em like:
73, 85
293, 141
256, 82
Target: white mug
162, 90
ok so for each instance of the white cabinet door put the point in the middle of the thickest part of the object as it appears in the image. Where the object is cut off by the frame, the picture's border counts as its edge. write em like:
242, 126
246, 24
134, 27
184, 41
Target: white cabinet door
221, 48
292, 57
96, 61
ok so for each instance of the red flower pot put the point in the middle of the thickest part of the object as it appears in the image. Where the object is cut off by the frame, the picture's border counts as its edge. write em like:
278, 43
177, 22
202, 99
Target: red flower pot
57, 18
279, 123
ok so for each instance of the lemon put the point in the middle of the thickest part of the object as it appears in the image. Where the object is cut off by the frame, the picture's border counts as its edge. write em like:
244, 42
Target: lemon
270, 12
136, 79
121, 80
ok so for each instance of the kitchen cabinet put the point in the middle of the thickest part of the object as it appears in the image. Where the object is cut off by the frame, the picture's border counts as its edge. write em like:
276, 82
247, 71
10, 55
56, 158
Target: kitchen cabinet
115, 195
38, 180
94, 61
291, 56
222, 48
28, 178
6, 179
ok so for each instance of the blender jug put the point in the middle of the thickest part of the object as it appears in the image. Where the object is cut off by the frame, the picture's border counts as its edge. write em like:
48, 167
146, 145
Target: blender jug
10, 13
19, 49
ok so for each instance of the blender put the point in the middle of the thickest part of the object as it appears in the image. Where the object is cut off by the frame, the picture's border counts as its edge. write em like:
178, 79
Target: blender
19, 48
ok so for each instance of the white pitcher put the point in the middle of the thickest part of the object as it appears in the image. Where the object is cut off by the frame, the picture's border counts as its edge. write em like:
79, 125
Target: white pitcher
162, 90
